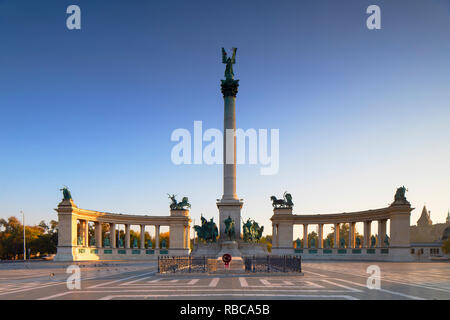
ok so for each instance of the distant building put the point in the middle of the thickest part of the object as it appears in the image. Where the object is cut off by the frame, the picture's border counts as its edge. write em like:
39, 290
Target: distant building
427, 238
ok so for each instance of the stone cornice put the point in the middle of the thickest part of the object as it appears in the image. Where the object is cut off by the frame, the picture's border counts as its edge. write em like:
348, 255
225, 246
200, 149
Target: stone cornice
106, 217
345, 217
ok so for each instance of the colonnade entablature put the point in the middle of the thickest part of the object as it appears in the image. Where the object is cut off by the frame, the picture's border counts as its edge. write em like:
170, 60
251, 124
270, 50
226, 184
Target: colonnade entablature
396, 245
74, 242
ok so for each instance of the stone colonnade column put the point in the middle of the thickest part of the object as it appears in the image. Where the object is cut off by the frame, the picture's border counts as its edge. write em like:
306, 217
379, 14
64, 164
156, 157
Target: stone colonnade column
381, 232
320, 240
112, 235
142, 236
156, 236
336, 235
305, 236
351, 234
367, 233
274, 235
86, 233
127, 236
98, 234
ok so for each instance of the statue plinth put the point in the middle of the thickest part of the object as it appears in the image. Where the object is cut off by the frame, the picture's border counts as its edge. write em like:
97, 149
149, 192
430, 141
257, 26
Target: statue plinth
231, 248
179, 212
282, 210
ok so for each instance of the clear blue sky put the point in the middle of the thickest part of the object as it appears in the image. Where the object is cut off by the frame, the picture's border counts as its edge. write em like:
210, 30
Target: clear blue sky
360, 112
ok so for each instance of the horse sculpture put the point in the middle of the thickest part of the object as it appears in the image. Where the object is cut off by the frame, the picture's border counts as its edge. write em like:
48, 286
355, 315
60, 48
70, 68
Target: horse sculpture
174, 205
252, 231
208, 231
286, 202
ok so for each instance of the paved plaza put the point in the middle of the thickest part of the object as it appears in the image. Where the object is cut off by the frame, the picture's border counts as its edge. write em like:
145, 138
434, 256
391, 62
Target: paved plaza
139, 280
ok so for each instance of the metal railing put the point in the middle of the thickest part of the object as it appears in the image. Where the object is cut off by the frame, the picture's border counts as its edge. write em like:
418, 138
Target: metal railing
273, 264
182, 264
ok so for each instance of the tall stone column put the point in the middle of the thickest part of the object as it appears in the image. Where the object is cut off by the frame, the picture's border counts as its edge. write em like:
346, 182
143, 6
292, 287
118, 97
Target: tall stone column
98, 234
305, 236
367, 233
381, 232
320, 244
156, 236
142, 236
229, 205
127, 236
112, 235
188, 237
336, 235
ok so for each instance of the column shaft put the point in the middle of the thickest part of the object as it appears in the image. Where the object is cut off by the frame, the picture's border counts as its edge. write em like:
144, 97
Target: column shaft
127, 236
112, 235
381, 232
352, 234
336, 235
98, 234
305, 236
142, 236
156, 236
367, 233
320, 239
86, 233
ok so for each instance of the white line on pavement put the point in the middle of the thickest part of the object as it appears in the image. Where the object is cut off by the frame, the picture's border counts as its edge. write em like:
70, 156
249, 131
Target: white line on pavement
243, 282
214, 282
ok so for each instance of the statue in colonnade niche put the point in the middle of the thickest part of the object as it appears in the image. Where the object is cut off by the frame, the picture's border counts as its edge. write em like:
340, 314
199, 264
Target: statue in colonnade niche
79, 241
342, 243
358, 242
106, 242
135, 243
298, 243
313, 243
149, 244
163, 243
120, 243
328, 243
386, 241
373, 241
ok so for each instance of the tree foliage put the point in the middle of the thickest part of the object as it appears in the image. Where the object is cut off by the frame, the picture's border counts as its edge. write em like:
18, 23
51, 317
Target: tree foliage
40, 239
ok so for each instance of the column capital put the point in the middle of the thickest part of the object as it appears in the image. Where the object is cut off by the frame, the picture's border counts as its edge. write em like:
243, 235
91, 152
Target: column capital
229, 87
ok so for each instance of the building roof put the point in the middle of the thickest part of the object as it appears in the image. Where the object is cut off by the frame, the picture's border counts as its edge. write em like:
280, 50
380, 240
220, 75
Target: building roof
425, 219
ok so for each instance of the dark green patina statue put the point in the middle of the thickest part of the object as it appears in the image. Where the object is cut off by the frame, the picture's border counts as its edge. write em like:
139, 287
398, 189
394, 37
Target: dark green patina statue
135, 243
163, 244
328, 243
298, 243
342, 243
149, 244
208, 231
386, 241
174, 205
229, 74
252, 231
66, 193
229, 228
400, 197
286, 202
106, 242
358, 242
313, 243
373, 241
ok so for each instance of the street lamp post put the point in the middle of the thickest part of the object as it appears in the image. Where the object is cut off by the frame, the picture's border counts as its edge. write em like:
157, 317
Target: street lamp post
24, 243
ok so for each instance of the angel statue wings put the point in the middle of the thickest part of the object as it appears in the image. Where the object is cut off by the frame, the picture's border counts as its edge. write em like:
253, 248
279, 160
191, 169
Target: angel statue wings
229, 75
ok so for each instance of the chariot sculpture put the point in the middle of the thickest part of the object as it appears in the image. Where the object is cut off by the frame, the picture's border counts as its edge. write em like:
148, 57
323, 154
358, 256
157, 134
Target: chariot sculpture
174, 205
286, 202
